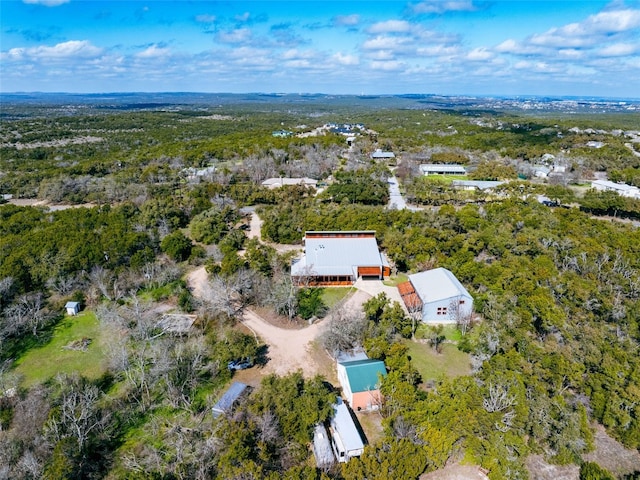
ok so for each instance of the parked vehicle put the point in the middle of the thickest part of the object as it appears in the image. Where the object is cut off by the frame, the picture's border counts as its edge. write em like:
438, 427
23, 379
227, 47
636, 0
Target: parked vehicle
240, 364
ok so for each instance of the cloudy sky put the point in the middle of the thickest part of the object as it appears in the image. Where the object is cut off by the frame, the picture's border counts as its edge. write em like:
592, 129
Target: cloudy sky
477, 47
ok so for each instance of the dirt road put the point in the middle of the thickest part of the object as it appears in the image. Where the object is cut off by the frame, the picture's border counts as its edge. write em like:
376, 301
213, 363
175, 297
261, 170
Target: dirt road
288, 349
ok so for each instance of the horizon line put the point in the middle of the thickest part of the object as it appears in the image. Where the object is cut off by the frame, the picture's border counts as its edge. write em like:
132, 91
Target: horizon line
449, 95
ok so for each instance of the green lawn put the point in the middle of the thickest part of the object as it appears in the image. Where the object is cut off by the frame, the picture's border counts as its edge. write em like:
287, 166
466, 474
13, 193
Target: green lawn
433, 365
41, 363
395, 280
450, 332
331, 296
447, 179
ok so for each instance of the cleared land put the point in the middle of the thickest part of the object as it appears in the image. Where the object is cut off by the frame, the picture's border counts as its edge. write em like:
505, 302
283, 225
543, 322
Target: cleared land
77, 345
433, 365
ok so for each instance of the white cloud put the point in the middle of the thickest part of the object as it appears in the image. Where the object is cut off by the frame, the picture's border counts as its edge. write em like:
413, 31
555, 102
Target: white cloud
618, 50
437, 50
298, 63
154, 52
390, 26
246, 56
239, 35
346, 20
387, 43
295, 54
380, 55
243, 18
388, 66
46, 3
345, 59
479, 54
519, 48
438, 6
572, 35
538, 67
70, 49
590, 31
571, 53
613, 21
205, 18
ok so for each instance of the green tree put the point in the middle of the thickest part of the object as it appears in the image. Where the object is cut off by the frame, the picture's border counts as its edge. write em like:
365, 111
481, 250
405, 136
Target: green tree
177, 246
593, 471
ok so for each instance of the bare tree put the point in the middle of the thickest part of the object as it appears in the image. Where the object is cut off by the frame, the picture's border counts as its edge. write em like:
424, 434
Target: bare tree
500, 400
414, 308
104, 281
462, 318
6, 290
186, 363
63, 284
283, 296
79, 415
229, 295
344, 331
28, 312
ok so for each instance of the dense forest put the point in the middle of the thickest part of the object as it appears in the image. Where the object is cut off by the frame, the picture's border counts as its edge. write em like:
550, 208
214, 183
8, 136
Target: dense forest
148, 195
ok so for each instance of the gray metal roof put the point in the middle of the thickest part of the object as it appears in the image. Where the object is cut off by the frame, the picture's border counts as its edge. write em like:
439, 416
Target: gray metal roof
479, 184
437, 284
338, 256
345, 427
322, 447
233, 393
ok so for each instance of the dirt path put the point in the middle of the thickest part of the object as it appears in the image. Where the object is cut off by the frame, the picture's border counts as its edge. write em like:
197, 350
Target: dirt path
289, 349
255, 225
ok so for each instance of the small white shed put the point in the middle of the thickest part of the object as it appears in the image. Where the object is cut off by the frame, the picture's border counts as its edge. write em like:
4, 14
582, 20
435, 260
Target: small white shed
72, 308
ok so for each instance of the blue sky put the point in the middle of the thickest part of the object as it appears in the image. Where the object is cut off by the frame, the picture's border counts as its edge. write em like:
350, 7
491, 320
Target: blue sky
475, 47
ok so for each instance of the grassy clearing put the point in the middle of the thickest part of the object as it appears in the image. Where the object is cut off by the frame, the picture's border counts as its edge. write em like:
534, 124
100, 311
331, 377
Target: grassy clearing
42, 363
394, 281
433, 365
331, 296
450, 332
447, 179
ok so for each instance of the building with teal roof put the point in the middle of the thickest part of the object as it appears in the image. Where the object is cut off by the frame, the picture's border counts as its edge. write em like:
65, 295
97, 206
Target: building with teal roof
360, 381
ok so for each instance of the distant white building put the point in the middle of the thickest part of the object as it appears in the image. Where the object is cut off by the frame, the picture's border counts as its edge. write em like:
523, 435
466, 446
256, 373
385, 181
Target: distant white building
621, 189
476, 184
282, 181
199, 173
379, 154
442, 169
541, 171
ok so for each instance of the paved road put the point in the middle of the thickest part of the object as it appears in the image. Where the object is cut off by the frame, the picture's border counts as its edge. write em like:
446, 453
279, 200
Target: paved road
396, 200
395, 197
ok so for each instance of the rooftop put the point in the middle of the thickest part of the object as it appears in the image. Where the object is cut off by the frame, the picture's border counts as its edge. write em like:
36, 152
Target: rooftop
233, 393
363, 374
346, 427
339, 255
437, 284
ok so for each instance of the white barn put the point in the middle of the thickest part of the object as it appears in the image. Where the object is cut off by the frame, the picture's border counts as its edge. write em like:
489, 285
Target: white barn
442, 169
620, 188
439, 294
